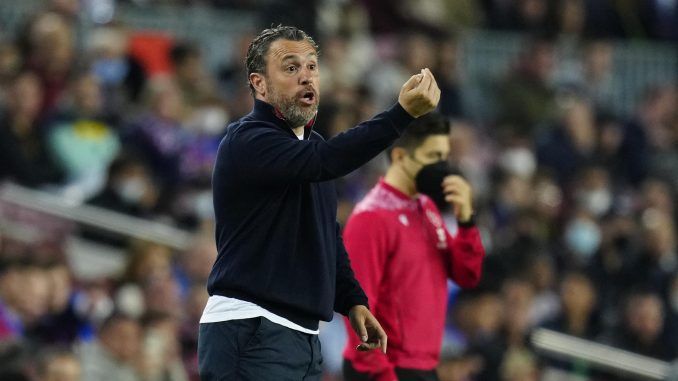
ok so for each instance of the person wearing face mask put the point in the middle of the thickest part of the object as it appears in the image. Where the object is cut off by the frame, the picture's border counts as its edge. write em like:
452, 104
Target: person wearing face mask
128, 190
402, 253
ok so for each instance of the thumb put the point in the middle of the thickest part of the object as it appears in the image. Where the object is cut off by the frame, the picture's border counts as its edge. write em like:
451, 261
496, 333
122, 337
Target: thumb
412, 82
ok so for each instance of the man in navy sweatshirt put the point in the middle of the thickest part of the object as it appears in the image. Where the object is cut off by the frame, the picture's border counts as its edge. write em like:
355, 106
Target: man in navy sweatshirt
282, 266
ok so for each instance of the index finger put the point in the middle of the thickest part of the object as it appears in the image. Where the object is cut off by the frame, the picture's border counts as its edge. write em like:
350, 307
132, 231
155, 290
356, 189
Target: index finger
425, 81
433, 85
412, 82
453, 179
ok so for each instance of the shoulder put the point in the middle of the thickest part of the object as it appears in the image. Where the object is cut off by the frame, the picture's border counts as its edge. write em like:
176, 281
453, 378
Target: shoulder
316, 136
248, 130
373, 208
366, 223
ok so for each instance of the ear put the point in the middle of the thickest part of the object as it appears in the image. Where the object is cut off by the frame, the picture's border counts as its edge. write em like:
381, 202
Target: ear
398, 154
258, 81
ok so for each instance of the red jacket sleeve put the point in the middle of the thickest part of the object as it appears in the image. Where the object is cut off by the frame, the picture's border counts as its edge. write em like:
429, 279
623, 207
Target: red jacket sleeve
465, 260
367, 243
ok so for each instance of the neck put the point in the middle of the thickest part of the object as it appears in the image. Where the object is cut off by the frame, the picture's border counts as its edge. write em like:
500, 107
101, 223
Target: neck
397, 178
298, 130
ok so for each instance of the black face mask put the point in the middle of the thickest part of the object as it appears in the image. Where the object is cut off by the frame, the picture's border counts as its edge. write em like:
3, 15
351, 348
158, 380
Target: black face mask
429, 181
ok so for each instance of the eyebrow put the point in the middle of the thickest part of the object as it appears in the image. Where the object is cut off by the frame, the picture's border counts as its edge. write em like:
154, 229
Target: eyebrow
294, 56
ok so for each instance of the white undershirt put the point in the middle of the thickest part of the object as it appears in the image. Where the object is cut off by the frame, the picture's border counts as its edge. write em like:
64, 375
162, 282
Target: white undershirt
300, 136
221, 308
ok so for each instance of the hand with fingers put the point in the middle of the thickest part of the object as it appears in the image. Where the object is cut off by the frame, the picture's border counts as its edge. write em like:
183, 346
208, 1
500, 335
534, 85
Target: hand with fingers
458, 193
420, 94
367, 328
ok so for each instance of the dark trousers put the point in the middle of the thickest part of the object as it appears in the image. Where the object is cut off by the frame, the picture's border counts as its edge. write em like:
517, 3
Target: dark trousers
350, 374
257, 350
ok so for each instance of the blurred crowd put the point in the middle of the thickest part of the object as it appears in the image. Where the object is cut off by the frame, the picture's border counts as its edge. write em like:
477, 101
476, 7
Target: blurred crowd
575, 201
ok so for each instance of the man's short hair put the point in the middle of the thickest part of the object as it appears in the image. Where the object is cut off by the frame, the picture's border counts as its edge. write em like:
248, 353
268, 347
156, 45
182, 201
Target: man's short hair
421, 128
255, 62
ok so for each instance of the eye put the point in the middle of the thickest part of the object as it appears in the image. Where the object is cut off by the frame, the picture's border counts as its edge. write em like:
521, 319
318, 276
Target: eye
312, 66
291, 69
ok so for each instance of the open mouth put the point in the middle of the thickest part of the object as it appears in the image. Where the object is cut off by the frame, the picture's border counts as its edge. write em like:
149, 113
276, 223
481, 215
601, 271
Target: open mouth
308, 97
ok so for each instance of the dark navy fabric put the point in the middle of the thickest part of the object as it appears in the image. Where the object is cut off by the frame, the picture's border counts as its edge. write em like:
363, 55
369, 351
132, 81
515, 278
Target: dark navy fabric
257, 350
278, 241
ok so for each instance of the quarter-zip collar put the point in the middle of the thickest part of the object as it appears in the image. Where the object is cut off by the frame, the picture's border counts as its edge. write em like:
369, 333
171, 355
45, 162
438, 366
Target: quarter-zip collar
266, 112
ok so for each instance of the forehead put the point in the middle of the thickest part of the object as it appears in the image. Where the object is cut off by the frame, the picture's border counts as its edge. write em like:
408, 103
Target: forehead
439, 143
282, 49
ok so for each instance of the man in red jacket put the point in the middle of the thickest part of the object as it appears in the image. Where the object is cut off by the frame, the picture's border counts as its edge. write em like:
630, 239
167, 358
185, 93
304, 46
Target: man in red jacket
402, 254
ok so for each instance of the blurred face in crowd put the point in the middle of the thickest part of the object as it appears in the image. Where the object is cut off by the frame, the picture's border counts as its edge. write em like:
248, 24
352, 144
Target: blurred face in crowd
657, 195
59, 279
291, 82
133, 184
164, 296
64, 367
487, 314
541, 60
166, 100
645, 316
517, 297
594, 194
598, 60
532, 10
25, 98
10, 61
548, 197
151, 263
577, 295
610, 137
659, 234
660, 107
572, 16
87, 95
515, 193
122, 339
69, 7
582, 236
519, 365
190, 69
580, 124
26, 291
52, 43
542, 273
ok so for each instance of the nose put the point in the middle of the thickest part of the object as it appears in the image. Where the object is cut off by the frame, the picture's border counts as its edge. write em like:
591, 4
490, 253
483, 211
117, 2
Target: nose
306, 77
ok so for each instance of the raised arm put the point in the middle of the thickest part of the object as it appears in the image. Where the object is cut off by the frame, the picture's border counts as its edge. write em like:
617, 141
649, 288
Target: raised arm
264, 155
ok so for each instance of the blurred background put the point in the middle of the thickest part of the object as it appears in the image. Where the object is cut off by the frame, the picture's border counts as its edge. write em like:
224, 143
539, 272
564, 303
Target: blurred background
564, 119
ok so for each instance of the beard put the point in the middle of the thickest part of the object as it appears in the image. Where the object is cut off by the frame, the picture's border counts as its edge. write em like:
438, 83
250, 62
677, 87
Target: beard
295, 114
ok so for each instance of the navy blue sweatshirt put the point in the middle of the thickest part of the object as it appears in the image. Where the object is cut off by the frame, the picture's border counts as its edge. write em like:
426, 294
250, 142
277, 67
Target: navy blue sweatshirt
279, 245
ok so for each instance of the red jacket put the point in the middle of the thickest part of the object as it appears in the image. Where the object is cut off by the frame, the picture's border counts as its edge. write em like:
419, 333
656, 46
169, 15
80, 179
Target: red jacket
402, 255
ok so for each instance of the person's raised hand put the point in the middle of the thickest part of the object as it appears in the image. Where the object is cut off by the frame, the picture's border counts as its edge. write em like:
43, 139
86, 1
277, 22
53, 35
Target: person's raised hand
459, 194
420, 94
367, 328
